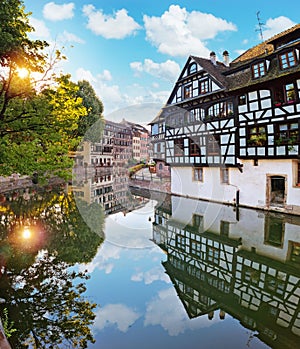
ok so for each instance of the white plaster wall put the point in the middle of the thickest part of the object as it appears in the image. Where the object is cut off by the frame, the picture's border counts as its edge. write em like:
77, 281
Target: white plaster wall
211, 188
251, 183
253, 180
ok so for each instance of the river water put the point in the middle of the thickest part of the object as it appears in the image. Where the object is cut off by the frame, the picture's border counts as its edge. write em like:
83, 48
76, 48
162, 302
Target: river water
164, 272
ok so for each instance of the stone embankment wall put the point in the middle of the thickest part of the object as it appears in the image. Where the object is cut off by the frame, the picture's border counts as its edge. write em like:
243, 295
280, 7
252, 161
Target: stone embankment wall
152, 185
15, 182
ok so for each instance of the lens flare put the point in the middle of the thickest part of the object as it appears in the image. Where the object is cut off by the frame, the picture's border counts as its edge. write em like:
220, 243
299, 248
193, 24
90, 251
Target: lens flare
26, 233
22, 72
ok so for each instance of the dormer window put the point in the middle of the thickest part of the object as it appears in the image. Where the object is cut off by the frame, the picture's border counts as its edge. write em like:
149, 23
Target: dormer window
287, 59
259, 69
192, 68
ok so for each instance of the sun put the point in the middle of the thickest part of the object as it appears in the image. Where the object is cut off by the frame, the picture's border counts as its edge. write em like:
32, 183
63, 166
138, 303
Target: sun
26, 233
22, 72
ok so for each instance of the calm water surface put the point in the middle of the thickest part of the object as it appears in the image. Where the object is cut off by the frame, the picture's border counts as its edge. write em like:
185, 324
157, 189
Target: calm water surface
181, 273
168, 272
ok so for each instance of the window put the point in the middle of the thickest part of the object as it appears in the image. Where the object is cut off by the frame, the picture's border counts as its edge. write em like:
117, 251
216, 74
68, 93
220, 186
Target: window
290, 93
224, 228
178, 146
194, 149
213, 144
259, 69
187, 91
194, 115
275, 285
192, 68
198, 174
295, 252
161, 128
204, 86
195, 248
257, 136
242, 99
250, 275
198, 222
224, 175
286, 134
180, 242
220, 110
287, 60
212, 255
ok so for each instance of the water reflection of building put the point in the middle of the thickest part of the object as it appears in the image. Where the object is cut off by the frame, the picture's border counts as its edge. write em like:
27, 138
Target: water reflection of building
245, 264
100, 173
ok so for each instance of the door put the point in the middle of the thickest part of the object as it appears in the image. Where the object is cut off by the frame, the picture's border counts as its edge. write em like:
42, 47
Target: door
277, 190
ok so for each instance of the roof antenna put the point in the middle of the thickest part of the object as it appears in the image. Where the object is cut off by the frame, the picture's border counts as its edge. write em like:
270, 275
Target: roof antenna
260, 24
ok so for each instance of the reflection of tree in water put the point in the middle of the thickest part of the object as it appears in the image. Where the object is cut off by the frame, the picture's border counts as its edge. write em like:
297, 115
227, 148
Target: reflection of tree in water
42, 235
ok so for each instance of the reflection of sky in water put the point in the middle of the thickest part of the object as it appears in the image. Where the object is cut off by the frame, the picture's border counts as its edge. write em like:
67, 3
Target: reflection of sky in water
138, 305
132, 230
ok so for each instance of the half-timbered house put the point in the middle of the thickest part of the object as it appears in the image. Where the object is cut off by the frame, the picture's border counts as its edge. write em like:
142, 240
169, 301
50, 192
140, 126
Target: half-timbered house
246, 266
231, 129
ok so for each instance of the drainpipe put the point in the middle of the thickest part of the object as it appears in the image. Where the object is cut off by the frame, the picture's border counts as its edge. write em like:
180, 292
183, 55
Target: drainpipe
237, 198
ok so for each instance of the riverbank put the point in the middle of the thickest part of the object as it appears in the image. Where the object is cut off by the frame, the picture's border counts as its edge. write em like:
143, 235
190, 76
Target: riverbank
17, 182
150, 181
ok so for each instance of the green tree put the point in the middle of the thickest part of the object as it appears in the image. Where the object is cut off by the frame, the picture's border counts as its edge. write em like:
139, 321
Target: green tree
90, 126
39, 117
16, 49
37, 131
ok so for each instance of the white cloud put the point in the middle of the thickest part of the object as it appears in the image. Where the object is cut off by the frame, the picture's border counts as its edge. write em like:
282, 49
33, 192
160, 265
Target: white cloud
115, 314
70, 37
116, 26
168, 70
41, 30
274, 26
105, 76
115, 100
155, 274
179, 33
55, 12
167, 311
83, 74
104, 259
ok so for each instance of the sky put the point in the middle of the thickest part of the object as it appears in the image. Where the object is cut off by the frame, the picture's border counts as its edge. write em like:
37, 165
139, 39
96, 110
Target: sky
132, 51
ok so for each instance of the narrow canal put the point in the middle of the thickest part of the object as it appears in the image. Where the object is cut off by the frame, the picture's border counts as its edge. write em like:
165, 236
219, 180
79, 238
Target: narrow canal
161, 271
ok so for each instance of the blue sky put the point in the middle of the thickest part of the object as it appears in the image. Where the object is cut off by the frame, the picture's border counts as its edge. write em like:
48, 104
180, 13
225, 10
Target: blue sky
133, 51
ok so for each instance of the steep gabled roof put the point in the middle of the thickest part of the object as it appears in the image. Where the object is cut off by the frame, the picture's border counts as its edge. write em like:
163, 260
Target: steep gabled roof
215, 70
266, 47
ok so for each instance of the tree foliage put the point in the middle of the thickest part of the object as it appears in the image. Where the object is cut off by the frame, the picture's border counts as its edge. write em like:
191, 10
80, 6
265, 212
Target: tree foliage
16, 49
42, 117
90, 127
44, 297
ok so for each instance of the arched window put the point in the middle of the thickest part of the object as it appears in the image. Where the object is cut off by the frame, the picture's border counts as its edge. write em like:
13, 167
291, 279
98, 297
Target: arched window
192, 68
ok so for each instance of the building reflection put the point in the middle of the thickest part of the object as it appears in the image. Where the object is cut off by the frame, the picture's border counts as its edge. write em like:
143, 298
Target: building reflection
246, 264
107, 185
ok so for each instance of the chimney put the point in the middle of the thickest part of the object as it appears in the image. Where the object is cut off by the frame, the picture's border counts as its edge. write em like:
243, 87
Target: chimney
213, 58
226, 58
